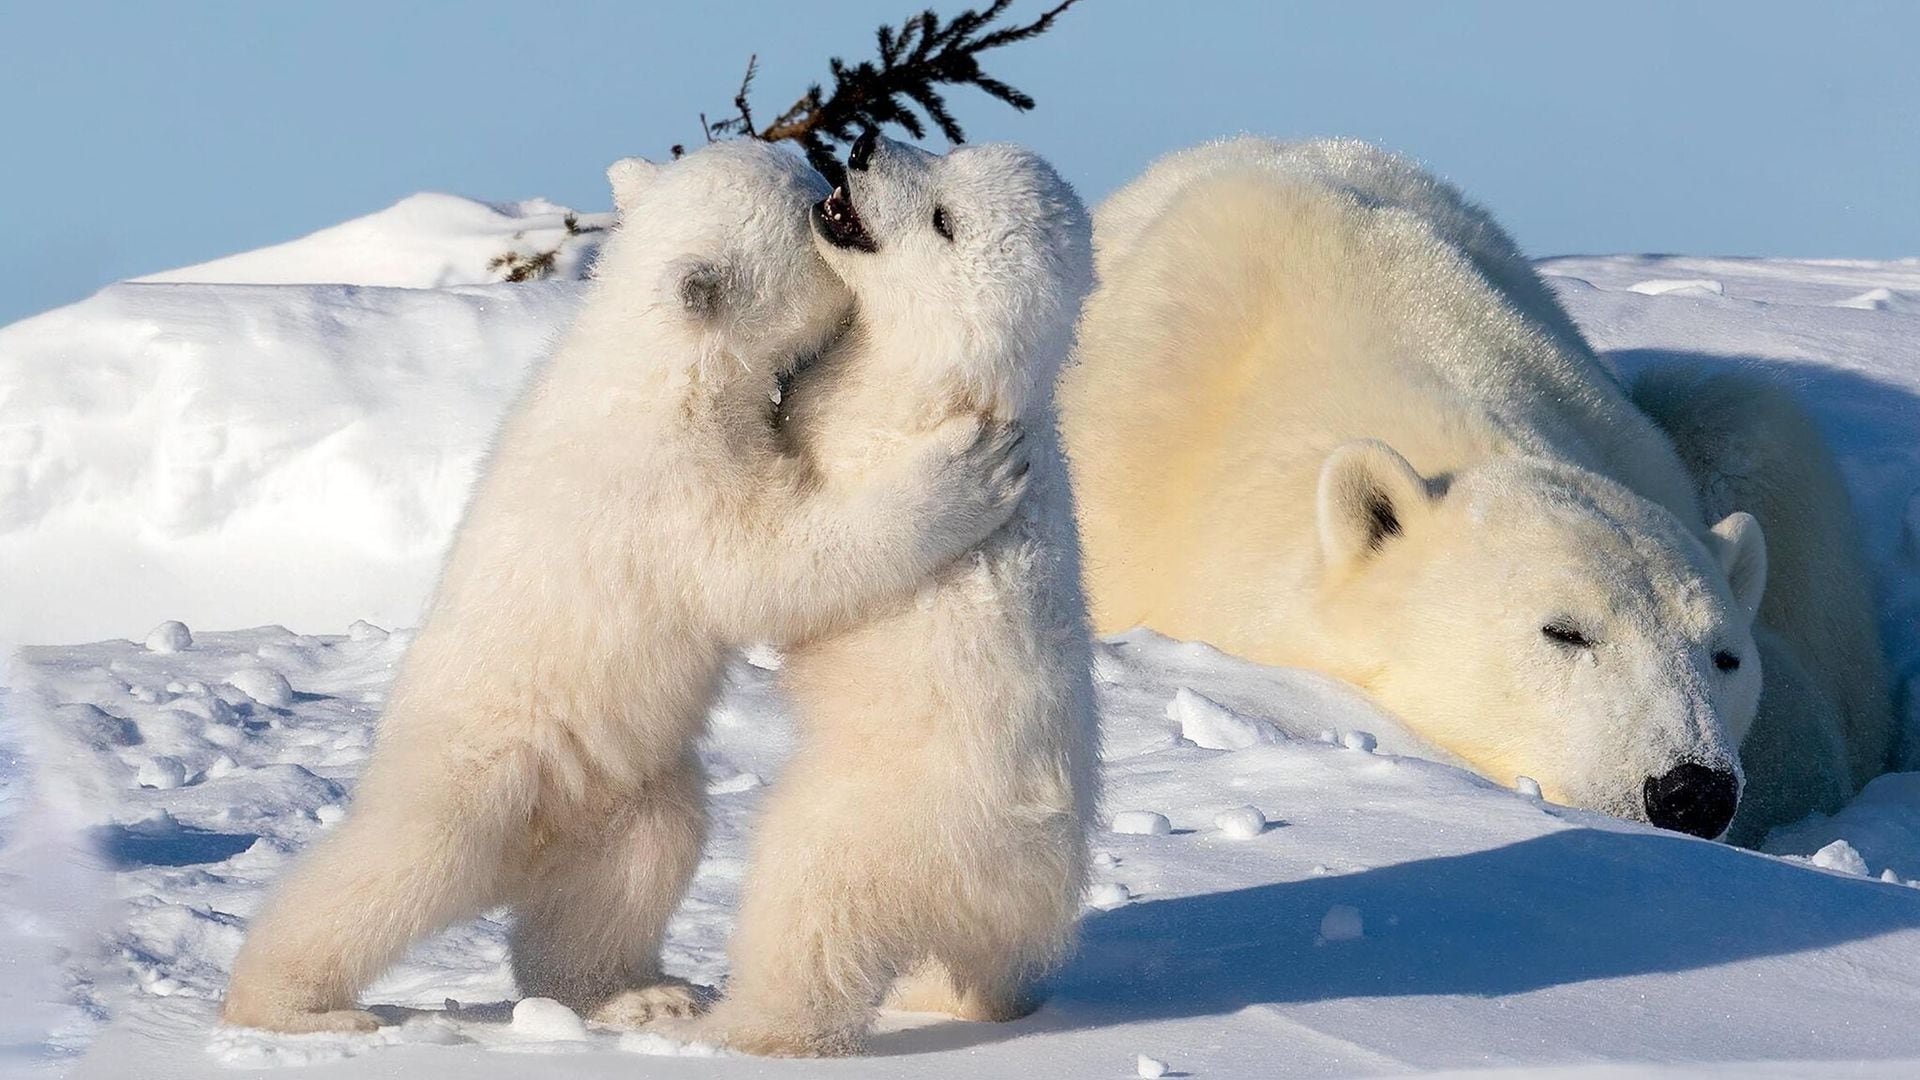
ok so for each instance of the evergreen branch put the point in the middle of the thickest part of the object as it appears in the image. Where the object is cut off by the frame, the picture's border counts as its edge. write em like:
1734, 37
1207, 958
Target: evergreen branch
915, 58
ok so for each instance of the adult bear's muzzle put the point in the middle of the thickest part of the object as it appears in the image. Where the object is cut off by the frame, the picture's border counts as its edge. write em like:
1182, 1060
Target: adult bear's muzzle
1693, 798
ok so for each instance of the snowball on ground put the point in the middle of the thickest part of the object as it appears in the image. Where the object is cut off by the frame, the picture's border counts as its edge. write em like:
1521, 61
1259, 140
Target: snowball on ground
1840, 856
169, 636
264, 685
1241, 822
1141, 823
547, 1020
1150, 1068
163, 773
1341, 923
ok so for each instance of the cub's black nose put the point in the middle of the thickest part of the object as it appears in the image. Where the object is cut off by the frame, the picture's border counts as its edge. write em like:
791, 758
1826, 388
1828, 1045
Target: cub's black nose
862, 150
1693, 798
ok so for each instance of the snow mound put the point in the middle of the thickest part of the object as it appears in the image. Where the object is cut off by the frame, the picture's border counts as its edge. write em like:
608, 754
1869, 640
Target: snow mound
237, 455
1881, 299
1682, 287
425, 241
1212, 726
1881, 826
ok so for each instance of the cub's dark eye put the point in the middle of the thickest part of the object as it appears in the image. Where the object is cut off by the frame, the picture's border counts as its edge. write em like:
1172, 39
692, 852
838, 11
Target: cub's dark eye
940, 223
1726, 661
1562, 634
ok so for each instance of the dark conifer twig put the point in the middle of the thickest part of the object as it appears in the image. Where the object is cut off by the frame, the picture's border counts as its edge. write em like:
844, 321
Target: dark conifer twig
922, 54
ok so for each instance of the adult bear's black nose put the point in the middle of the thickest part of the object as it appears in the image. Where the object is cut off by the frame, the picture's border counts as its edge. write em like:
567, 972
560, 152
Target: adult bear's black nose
862, 150
1693, 798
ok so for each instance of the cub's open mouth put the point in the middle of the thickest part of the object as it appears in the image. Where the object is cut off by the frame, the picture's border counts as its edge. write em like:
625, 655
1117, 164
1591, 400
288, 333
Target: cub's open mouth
840, 224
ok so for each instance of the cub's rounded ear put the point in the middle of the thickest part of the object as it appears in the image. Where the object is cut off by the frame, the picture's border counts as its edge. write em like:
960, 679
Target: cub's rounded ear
1369, 495
629, 177
1742, 550
700, 286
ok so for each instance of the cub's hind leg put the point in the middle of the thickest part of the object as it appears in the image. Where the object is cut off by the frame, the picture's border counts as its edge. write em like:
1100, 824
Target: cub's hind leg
400, 867
592, 911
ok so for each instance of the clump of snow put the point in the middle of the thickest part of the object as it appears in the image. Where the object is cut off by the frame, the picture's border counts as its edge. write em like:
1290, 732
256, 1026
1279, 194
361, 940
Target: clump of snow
547, 1020
1141, 823
264, 685
1342, 922
1363, 741
1107, 895
161, 772
362, 630
1840, 856
169, 637
1212, 726
1149, 1068
1527, 787
1241, 822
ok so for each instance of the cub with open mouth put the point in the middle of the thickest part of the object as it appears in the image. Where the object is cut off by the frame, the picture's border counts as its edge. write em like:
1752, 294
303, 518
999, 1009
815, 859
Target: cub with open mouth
930, 833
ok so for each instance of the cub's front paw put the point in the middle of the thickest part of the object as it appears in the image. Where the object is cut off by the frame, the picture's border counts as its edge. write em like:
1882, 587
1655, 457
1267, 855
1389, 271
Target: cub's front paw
306, 1023
763, 1038
1003, 458
980, 471
668, 999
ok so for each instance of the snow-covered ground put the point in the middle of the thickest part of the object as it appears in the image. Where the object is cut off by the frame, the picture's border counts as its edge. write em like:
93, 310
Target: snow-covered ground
1393, 913
293, 451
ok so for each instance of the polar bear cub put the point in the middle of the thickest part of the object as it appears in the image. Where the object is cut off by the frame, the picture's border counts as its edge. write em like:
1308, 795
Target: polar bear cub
931, 828
634, 522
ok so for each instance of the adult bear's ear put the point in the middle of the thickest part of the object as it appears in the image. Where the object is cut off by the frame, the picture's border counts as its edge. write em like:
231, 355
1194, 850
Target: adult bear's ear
1369, 495
1742, 549
629, 177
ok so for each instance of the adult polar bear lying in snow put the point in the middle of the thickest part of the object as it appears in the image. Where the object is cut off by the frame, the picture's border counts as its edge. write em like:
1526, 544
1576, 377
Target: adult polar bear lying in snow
1325, 415
636, 521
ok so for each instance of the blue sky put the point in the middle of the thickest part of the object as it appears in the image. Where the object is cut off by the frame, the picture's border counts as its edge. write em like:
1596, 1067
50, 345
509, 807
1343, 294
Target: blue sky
142, 136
